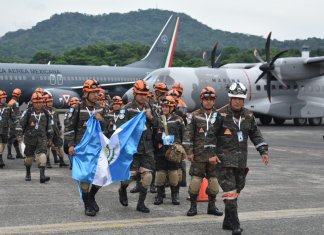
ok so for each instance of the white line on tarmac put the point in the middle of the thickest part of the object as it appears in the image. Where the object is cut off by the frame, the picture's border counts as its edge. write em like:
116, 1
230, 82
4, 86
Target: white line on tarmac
100, 225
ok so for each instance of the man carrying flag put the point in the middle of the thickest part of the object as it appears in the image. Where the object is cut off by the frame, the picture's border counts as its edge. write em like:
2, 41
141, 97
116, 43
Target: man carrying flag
76, 126
143, 160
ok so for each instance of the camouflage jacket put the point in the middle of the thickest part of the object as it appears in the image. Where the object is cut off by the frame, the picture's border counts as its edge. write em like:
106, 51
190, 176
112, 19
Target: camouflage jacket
76, 122
175, 127
197, 140
35, 125
146, 144
15, 107
113, 121
235, 151
57, 127
7, 117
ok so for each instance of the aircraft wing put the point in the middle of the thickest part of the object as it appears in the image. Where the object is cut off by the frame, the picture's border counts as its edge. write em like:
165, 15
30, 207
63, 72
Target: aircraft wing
106, 85
314, 60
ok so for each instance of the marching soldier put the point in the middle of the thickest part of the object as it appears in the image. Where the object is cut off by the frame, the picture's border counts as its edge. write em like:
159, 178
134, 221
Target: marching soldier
7, 115
143, 161
238, 125
203, 161
113, 117
168, 151
57, 142
75, 128
14, 103
36, 130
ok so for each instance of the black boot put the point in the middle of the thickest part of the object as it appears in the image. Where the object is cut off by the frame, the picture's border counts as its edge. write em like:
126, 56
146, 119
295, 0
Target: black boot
88, 210
175, 195
48, 163
9, 155
123, 194
231, 205
56, 160
212, 209
227, 225
42, 177
70, 161
1, 162
140, 204
183, 182
62, 163
94, 189
136, 187
18, 153
193, 205
27, 177
159, 197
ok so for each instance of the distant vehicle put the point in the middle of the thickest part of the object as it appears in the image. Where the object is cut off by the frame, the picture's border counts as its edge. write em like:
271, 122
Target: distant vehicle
278, 89
65, 81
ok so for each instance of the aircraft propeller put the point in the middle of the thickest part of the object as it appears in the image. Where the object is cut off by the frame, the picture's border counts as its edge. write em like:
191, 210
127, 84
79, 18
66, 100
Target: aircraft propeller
267, 66
214, 61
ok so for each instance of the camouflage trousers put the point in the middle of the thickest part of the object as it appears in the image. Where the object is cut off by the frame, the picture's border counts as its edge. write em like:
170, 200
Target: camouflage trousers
232, 181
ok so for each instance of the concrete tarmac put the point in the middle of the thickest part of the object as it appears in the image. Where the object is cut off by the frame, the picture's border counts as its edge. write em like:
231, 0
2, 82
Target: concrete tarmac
285, 197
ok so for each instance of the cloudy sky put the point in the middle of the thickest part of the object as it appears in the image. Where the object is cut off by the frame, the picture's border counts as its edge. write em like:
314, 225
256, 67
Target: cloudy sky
287, 19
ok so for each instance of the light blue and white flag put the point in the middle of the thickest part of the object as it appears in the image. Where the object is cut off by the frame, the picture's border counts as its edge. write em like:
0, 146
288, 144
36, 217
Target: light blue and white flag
90, 163
123, 145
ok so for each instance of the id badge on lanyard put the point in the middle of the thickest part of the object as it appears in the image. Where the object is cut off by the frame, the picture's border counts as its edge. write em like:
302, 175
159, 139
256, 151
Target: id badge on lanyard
239, 133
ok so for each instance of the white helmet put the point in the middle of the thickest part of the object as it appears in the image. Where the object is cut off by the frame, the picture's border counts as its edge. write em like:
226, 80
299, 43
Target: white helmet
237, 90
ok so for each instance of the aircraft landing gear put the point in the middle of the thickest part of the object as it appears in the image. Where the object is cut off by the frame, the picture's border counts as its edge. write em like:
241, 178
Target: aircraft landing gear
279, 121
265, 120
300, 121
315, 121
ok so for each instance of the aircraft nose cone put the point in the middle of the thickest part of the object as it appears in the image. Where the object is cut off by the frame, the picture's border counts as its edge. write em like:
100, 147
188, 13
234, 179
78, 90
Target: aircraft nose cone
127, 97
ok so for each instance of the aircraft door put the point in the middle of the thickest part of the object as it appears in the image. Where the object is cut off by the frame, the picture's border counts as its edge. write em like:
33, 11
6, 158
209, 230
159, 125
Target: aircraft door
52, 79
59, 79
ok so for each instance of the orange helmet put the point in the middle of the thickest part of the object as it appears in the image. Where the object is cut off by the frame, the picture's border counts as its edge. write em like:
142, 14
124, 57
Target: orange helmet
3, 94
141, 87
47, 98
74, 100
160, 87
117, 100
91, 85
16, 92
39, 90
208, 92
178, 87
169, 101
37, 98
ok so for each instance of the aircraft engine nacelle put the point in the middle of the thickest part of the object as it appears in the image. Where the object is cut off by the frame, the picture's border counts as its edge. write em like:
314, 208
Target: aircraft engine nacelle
61, 97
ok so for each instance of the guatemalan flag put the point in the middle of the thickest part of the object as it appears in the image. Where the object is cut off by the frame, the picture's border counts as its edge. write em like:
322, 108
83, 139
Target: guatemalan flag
90, 163
123, 145
101, 161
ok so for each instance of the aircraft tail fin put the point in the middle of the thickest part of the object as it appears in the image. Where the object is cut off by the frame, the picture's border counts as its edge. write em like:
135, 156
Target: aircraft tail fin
161, 53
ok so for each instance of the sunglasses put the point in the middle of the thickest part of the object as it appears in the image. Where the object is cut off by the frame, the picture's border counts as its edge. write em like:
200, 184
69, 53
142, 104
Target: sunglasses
208, 95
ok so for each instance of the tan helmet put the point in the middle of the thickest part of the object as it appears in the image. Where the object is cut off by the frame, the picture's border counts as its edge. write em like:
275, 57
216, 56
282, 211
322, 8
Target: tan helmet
16, 92
160, 86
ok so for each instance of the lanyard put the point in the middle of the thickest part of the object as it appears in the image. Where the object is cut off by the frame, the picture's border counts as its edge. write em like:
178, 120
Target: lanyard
238, 123
116, 118
91, 112
2, 110
38, 118
207, 120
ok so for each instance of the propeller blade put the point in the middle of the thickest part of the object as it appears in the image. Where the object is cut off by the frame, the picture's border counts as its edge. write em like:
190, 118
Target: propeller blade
267, 48
278, 79
262, 74
269, 86
205, 58
277, 56
258, 56
213, 55
217, 61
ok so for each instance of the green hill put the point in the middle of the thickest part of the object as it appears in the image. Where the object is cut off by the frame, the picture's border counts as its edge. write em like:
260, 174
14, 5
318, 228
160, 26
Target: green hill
73, 30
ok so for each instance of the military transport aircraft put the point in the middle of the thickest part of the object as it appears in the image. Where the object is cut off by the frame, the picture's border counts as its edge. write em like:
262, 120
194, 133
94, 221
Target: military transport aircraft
280, 89
65, 81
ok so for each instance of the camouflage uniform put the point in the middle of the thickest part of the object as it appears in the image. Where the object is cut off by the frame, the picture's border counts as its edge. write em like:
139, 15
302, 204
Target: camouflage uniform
165, 168
113, 121
195, 142
37, 130
75, 127
57, 141
7, 116
143, 161
233, 156
12, 131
